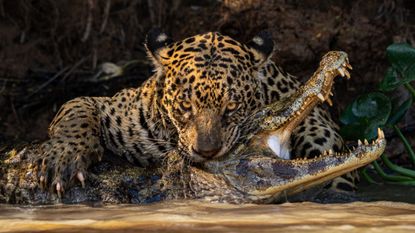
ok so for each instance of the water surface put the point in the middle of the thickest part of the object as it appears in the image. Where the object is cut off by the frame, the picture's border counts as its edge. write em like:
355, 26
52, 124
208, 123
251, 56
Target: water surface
192, 216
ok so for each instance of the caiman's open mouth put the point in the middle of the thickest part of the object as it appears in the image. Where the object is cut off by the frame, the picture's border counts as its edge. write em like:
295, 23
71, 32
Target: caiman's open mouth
250, 174
293, 176
284, 116
262, 179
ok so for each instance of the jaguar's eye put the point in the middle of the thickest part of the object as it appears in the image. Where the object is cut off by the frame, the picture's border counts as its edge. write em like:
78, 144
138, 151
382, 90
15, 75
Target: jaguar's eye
231, 106
186, 105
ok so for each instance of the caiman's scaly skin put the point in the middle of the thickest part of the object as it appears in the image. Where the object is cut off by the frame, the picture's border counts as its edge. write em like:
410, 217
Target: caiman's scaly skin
252, 172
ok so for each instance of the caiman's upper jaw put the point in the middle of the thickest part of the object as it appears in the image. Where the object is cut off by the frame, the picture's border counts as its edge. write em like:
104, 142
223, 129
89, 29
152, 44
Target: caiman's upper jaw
332, 64
283, 116
318, 87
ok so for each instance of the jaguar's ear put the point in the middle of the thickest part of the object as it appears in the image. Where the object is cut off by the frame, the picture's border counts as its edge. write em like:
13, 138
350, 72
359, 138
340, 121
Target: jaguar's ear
263, 46
156, 44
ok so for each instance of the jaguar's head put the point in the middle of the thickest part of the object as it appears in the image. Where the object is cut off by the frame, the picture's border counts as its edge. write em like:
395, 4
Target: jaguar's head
209, 85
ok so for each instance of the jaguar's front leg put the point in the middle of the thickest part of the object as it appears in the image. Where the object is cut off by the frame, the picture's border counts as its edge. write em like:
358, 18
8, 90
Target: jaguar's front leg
73, 146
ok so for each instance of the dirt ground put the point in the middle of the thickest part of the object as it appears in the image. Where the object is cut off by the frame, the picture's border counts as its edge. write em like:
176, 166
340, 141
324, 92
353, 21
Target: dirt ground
50, 50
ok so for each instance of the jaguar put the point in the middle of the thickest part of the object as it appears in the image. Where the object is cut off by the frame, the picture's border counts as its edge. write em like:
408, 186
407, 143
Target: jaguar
199, 101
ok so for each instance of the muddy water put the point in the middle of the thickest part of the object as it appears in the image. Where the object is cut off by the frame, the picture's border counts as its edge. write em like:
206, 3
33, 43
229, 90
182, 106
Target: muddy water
191, 216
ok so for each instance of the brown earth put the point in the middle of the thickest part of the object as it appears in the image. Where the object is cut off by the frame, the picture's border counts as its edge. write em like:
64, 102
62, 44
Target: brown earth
49, 50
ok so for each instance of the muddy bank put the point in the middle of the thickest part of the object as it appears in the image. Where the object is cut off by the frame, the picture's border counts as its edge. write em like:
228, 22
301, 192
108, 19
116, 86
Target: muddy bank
50, 50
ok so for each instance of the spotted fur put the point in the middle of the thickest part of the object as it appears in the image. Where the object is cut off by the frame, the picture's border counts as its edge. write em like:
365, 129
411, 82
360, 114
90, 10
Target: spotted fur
198, 100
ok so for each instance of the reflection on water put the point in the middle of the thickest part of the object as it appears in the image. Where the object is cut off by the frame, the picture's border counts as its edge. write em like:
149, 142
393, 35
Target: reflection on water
191, 216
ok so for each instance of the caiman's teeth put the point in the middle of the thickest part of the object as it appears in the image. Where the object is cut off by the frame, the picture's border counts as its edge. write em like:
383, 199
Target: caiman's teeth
349, 66
366, 142
347, 73
330, 152
359, 143
381, 135
321, 97
341, 72
329, 102
331, 93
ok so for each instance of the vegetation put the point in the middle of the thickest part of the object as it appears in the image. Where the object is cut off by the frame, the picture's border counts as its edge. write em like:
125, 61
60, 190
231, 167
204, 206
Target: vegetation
376, 109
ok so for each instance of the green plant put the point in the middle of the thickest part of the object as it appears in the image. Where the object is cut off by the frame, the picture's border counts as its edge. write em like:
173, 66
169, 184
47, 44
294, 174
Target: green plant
365, 114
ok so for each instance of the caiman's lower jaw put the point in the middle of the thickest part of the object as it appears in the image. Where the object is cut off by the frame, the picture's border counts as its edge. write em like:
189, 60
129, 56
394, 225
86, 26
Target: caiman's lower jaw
293, 176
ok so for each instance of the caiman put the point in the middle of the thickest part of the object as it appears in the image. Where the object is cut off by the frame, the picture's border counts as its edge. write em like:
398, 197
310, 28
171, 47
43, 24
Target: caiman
252, 172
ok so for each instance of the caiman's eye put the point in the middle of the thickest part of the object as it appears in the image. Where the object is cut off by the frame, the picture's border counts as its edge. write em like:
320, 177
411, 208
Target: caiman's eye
232, 106
186, 105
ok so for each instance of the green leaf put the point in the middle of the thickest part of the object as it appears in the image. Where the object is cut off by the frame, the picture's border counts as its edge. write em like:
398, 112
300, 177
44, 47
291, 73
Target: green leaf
399, 112
347, 116
353, 131
375, 106
362, 117
390, 82
401, 56
409, 74
363, 128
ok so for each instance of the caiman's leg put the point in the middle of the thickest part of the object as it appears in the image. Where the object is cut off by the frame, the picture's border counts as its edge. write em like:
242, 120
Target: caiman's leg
74, 144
